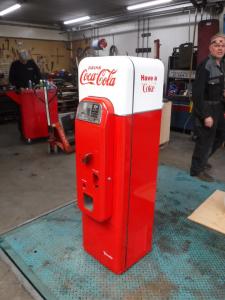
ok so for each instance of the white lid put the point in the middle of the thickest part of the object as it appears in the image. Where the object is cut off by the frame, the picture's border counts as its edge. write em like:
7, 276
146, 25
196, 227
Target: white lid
132, 84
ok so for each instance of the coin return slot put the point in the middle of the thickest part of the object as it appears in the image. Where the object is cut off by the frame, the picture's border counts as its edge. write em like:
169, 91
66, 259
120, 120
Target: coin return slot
88, 202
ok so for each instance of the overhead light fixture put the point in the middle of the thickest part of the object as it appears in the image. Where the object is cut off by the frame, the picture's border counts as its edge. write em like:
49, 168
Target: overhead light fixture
170, 8
9, 9
101, 21
147, 4
95, 22
77, 20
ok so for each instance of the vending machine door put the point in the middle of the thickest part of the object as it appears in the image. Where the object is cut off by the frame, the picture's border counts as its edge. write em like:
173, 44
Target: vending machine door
94, 157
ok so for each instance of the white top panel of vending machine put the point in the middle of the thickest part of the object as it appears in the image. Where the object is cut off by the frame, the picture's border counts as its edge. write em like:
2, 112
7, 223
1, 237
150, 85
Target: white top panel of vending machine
148, 88
132, 84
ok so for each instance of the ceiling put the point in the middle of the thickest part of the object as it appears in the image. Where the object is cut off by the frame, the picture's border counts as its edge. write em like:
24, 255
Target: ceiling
52, 13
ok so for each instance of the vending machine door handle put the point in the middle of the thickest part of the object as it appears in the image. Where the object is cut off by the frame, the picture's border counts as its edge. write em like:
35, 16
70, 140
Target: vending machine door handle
95, 177
86, 159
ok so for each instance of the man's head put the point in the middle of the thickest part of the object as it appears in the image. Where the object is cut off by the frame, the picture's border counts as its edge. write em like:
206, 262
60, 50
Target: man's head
23, 55
217, 46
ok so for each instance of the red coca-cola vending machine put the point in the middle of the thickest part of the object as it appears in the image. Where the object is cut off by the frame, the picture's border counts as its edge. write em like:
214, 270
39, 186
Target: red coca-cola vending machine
117, 145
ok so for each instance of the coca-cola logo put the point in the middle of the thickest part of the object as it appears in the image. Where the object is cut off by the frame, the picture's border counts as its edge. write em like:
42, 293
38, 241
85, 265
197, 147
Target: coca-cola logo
103, 77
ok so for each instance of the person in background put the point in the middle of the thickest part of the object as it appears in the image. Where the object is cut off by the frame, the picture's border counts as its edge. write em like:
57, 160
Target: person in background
208, 108
23, 71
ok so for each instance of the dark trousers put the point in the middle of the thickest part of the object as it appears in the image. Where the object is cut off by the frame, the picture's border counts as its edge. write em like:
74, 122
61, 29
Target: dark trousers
209, 139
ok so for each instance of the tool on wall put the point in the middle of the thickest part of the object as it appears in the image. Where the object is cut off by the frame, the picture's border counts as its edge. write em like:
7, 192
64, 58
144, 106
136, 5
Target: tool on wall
189, 87
68, 45
52, 65
7, 44
113, 50
42, 62
57, 56
14, 53
192, 53
19, 44
157, 49
99, 44
46, 67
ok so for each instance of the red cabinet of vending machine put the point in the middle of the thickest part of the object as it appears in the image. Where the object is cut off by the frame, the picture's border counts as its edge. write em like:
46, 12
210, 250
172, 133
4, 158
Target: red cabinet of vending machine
117, 138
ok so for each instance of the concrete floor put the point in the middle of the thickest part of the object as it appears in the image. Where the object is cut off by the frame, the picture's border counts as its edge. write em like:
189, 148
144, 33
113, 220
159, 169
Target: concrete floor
33, 182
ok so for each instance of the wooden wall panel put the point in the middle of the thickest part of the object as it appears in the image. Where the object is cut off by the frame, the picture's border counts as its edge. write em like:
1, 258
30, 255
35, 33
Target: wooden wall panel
49, 55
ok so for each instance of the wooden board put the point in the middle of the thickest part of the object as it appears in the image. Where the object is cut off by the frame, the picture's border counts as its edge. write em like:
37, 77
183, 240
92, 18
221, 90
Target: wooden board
165, 123
211, 213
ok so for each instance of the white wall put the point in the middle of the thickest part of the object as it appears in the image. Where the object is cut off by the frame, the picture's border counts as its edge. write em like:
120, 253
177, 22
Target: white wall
222, 20
169, 37
31, 32
171, 30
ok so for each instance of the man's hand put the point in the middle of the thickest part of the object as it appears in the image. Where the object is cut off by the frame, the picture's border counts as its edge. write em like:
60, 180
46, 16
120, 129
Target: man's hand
208, 122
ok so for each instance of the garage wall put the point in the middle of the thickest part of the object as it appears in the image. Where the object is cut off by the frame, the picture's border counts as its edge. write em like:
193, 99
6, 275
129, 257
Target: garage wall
48, 48
171, 30
169, 37
49, 55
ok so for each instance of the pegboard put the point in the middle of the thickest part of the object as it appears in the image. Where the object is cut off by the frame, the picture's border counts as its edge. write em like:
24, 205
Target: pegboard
50, 56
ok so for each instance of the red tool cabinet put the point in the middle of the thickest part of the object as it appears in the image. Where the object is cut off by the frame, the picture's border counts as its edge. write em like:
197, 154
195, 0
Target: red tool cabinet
33, 113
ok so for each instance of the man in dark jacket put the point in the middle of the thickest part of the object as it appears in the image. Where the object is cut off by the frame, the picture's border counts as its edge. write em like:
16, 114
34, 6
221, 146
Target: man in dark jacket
208, 99
23, 71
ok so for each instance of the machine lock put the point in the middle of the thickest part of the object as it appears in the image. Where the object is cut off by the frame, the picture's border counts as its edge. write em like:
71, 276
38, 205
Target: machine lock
87, 158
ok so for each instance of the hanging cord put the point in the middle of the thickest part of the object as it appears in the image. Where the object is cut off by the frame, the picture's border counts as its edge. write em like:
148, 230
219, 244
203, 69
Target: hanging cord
138, 36
94, 38
192, 52
189, 27
113, 51
202, 13
190, 73
98, 37
147, 36
143, 31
